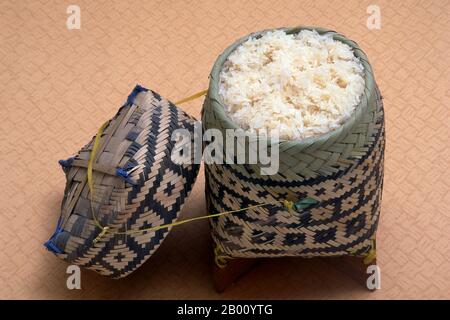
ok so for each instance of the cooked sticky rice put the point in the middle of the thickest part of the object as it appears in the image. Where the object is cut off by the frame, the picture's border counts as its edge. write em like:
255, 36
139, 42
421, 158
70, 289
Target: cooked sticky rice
301, 85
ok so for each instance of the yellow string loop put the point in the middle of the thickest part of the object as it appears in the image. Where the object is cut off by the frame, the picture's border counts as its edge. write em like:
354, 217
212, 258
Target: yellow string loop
220, 261
288, 204
106, 229
101, 234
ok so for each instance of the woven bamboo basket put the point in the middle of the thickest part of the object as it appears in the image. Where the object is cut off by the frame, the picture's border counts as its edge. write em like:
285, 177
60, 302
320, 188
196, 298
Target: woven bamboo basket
335, 181
135, 185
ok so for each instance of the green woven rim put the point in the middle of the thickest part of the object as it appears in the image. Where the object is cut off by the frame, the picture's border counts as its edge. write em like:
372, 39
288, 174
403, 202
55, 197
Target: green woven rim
217, 107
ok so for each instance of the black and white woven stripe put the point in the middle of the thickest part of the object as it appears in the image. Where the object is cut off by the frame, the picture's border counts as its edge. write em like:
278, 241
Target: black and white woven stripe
342, 222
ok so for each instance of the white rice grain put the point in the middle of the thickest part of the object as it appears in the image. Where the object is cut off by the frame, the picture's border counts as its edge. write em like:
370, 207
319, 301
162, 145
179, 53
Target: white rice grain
303, 85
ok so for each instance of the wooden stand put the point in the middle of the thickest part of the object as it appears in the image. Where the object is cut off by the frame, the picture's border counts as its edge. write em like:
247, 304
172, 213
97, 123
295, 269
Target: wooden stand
353, 267
235, 268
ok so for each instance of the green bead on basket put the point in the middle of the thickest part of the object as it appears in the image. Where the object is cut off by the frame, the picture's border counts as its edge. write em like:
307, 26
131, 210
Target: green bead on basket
304, 203
299, 205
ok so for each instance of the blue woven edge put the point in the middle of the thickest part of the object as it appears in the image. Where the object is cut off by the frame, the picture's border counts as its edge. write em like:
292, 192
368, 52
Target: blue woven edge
138, 88
50, 244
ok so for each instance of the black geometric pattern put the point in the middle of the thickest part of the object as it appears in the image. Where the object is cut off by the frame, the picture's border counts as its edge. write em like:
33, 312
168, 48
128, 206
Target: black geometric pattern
343, 222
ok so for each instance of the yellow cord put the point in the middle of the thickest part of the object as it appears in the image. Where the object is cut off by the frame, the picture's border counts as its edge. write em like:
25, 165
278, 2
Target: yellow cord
177, 223
194, 96
220, 261
90, 180
101, 234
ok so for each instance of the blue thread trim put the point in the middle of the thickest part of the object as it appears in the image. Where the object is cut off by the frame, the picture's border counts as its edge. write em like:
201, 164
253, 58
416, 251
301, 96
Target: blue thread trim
66, 163
123, 173
52, 247
49, 244
134, 93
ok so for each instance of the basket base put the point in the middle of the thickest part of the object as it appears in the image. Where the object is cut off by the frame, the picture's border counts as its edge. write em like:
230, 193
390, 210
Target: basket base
353, 267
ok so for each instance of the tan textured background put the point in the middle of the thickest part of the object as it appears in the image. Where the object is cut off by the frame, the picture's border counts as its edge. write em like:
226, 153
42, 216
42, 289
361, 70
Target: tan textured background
59, 85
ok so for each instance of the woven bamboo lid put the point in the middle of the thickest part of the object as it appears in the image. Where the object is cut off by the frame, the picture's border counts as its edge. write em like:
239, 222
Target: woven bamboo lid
135, 185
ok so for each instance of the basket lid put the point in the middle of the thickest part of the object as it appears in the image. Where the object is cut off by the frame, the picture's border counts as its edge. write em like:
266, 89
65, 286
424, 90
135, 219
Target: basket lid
113, 221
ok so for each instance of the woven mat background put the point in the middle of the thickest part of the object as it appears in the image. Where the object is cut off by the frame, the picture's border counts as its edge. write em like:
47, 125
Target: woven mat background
58, 85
